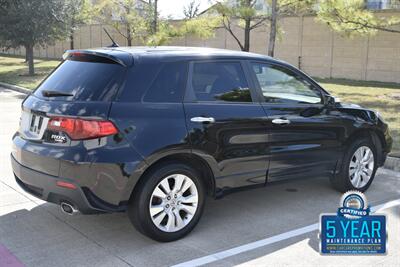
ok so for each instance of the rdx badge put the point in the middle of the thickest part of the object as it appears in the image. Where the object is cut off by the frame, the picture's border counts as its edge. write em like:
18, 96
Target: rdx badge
58, 138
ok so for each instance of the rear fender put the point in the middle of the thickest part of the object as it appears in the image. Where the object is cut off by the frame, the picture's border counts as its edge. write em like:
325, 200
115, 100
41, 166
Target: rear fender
159, 156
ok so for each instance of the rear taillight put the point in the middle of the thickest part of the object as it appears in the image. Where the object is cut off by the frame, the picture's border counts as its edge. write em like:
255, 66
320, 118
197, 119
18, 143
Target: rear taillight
78, 129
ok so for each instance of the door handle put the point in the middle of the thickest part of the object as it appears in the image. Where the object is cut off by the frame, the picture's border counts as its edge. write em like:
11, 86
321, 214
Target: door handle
203, 119
281, 121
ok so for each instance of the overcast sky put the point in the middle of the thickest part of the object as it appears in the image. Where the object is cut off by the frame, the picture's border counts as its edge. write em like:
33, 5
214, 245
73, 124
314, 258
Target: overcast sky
174, 8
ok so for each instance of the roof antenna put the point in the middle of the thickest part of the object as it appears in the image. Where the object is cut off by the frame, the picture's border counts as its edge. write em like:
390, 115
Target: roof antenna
114, 44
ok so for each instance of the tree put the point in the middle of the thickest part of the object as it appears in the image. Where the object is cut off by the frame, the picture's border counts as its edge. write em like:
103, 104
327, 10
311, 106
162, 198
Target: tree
153, 15
281, 8
139, 23
352, 18
272, 32
191, 10
124, 16
243, 14
348, 17
203, 28
29, 23
79, 12
162, 31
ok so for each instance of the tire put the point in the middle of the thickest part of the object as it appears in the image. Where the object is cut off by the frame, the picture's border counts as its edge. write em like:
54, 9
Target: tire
345, 179
147, 206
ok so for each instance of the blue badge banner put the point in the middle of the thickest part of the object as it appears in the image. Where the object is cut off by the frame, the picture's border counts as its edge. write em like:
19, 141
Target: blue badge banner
364, 235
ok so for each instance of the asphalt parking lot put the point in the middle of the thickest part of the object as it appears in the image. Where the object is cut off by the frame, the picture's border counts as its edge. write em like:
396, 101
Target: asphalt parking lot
272, 226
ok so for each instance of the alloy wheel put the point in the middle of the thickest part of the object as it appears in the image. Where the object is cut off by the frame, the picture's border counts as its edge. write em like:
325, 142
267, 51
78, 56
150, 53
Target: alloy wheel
173, 203
361, 167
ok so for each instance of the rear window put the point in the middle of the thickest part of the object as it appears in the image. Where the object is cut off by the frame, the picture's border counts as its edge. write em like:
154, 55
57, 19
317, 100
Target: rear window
88, 79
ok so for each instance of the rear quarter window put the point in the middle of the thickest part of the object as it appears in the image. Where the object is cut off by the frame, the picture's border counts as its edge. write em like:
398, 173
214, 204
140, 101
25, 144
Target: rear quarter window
86, 80
168, 86
155, 82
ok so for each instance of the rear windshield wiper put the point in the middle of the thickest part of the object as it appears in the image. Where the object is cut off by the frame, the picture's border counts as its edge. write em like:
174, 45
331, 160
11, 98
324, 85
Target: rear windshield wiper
49, 93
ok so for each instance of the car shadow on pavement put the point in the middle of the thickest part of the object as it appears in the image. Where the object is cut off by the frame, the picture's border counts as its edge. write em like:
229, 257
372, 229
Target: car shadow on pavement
44, 236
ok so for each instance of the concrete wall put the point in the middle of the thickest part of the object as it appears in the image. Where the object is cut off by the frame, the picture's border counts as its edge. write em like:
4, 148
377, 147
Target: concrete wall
305, 43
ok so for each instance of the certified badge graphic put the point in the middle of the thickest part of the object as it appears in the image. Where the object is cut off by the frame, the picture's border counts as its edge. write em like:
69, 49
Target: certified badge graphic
354, 205
353, 230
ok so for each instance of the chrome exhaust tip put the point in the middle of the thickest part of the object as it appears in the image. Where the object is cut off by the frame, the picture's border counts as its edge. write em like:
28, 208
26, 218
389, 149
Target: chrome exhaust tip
68, 208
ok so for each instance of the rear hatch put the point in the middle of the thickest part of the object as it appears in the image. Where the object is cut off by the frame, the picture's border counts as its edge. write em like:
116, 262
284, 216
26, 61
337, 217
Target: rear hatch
71, 105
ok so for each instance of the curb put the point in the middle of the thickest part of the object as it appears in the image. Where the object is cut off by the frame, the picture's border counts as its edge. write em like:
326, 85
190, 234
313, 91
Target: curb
15, 88
391, 163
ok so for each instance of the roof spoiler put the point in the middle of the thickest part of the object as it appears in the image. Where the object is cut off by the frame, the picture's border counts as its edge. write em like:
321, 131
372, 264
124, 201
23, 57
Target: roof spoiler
70, 53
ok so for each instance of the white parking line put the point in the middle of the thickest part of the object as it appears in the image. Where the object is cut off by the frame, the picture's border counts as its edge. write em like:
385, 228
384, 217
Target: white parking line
270, 240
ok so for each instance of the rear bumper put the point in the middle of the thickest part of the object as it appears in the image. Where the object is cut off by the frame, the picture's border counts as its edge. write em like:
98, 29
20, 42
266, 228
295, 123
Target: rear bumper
44, 186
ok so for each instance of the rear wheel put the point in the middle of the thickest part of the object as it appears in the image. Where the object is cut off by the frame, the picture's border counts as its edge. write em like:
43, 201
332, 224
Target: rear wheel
358, 167
168, 205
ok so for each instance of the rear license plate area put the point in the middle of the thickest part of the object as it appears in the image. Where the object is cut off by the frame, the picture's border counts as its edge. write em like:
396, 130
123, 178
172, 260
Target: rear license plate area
33, 125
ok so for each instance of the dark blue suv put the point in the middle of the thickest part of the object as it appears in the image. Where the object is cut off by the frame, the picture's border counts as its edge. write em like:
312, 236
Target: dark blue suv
154, 130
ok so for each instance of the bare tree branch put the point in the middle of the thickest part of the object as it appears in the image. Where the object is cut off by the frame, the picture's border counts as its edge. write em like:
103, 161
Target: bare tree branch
259, 23
227, 26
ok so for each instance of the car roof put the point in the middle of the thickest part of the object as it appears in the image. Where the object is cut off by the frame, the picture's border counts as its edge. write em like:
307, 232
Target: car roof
172, 53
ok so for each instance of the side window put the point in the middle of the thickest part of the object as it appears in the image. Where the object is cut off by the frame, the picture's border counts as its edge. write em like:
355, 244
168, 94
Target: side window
220, 81
281, 85
169, 84
138, 80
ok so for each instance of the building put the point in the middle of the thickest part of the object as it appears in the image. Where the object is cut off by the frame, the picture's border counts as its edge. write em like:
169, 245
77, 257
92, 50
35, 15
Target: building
382, 4
260, 5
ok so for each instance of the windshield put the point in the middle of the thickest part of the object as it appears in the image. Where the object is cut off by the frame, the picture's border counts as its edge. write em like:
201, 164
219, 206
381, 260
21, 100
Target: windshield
84, 79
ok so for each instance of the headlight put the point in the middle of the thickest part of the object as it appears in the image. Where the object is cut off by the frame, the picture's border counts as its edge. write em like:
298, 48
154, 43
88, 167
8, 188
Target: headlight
378, 115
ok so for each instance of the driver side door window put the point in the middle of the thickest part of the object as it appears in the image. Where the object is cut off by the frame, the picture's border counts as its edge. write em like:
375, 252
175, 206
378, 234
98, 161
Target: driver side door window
281, 85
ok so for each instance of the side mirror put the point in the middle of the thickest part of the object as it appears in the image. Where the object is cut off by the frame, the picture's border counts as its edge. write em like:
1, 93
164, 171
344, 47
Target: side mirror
331, 100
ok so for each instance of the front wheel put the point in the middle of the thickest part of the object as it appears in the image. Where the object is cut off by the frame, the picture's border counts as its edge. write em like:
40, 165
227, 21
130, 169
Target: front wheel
358, 167
168, 205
